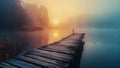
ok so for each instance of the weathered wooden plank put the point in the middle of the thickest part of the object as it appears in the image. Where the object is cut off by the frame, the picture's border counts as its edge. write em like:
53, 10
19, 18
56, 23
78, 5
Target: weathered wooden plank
72, 40
56, 62
60, 49
22, 64
7, 65
37, 62
60, 55
67, 43
50, 56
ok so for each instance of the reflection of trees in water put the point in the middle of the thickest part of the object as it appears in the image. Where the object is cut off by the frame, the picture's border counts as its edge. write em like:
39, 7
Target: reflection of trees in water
11, 17
9, 48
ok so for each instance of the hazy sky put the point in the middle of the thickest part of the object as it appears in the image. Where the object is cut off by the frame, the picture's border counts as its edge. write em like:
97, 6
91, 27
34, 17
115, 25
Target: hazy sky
58, 8
65, 9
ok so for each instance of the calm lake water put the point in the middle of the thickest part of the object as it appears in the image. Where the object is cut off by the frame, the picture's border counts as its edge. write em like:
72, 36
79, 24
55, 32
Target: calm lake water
102, 49
102, 46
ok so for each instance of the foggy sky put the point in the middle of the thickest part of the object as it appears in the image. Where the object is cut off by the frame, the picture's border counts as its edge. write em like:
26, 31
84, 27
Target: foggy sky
97, 10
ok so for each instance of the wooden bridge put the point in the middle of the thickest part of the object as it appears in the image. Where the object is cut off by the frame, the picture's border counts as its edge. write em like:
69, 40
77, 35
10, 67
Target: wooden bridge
65, 53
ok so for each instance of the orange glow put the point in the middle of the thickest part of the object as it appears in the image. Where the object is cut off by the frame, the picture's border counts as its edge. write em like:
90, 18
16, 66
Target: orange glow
55, 34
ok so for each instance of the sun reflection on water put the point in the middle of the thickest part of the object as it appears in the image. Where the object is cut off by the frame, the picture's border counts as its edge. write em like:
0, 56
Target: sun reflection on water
56, 34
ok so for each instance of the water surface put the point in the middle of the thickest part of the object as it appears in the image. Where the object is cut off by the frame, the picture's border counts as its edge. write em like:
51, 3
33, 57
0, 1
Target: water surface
101, 48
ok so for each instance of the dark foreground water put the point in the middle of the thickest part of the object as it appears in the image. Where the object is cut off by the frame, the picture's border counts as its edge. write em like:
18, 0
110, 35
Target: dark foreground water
102, 49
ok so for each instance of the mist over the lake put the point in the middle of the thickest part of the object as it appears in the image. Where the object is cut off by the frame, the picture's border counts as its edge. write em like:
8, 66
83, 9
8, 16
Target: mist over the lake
102, 42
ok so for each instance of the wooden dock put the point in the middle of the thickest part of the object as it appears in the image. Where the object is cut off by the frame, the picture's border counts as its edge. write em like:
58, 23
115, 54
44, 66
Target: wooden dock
65, 53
